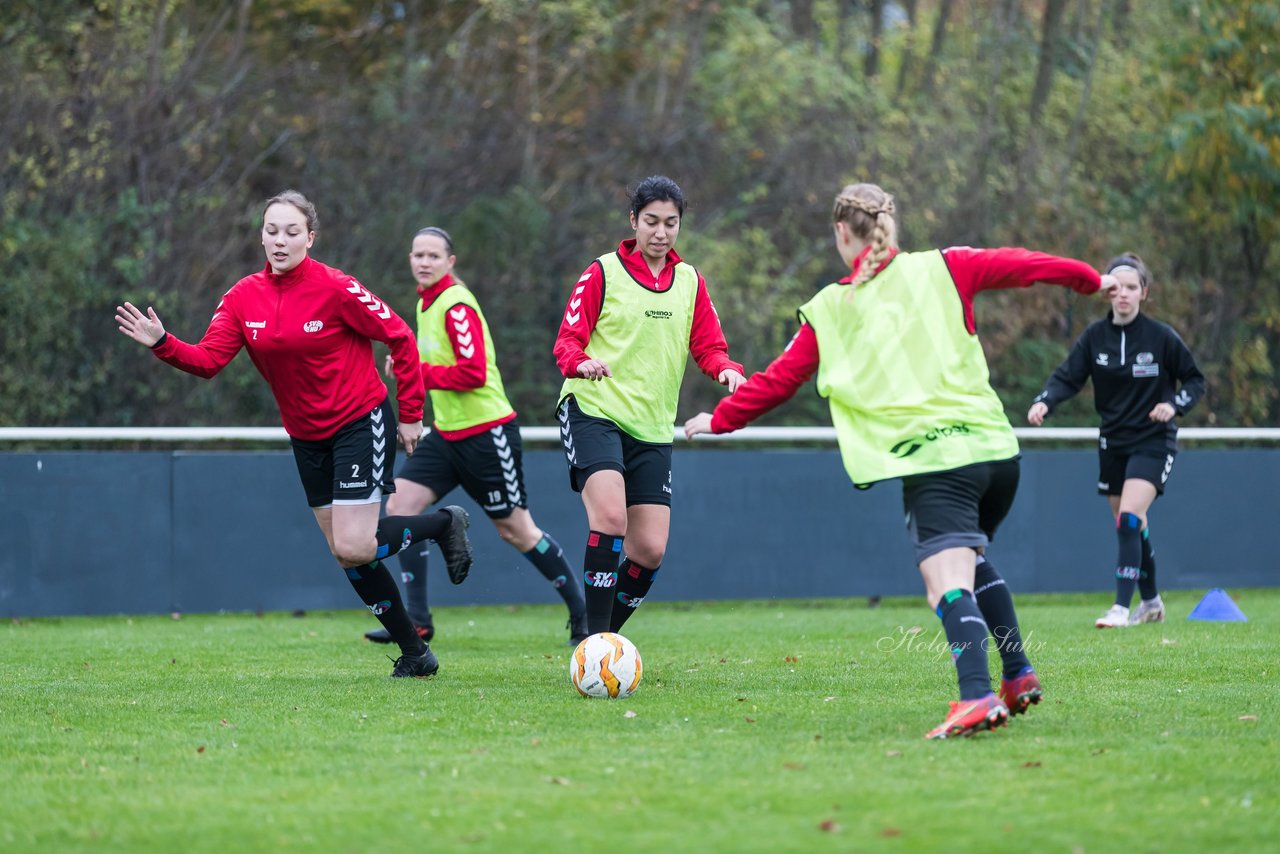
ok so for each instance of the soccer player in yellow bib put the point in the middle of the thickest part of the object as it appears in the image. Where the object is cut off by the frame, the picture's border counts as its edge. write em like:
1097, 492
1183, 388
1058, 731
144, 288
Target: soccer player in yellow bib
632, 320
896, 354
475, 437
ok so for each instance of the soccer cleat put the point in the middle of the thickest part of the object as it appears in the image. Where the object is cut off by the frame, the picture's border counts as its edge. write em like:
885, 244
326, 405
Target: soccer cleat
577, 627
1148, 612
416, 666
455, 545
1117, 617
969, 716
384, 636
1021, 692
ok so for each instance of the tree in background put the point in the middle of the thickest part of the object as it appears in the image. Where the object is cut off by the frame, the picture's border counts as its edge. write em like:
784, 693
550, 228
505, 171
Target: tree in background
141, 136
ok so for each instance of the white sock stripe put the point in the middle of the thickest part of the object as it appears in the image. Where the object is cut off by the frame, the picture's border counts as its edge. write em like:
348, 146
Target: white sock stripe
988, 586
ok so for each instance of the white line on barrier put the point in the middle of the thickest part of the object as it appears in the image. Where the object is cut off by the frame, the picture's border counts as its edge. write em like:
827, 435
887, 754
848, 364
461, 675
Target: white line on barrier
750, 435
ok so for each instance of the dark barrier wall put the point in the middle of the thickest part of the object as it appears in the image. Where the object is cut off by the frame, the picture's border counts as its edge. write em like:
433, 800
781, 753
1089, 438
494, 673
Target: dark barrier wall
121, 532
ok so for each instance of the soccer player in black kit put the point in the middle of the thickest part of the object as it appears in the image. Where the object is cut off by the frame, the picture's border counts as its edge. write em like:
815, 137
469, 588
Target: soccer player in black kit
1143, 377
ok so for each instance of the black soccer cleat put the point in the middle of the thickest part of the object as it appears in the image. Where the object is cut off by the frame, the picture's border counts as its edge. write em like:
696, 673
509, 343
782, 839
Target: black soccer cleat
577, 627
455, 545
384, 636
416, 666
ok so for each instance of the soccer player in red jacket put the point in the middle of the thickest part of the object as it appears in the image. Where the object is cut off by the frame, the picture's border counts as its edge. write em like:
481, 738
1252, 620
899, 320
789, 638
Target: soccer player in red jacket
308, 329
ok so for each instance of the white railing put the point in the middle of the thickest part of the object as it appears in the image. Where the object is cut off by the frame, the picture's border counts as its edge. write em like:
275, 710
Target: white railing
751, 435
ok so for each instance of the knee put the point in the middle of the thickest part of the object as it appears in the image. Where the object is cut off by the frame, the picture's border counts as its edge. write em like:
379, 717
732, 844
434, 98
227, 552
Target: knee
515, 535
354, 552
400, 505
649, 555
610, 521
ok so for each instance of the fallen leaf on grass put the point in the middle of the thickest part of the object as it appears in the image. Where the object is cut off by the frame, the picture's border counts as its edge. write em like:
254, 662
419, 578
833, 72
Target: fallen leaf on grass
829, 826
827, 699
890, 832
1248, 717
533, 742
793, 766
791, 659
1167, 642
558, 781
628, 714
1100, 751
893, 753
1030, 764
749, 720
223, 722
817, 738
200, 749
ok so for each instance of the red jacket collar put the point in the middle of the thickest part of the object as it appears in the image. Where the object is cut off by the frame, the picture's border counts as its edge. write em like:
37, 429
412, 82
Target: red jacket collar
857, 264
290, 277
634, 260
429, 294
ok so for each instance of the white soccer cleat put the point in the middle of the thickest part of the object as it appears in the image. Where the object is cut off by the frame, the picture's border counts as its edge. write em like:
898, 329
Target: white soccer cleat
1117, 617
1148, 612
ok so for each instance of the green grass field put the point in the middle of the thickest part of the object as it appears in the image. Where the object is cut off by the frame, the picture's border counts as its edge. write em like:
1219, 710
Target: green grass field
759, 726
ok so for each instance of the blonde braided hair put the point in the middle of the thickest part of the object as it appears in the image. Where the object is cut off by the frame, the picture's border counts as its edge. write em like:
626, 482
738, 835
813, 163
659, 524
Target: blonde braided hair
869, 213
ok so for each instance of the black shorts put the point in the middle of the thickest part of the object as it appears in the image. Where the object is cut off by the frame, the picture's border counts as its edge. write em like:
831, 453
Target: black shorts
1150, 464
354, 465
488, 466
597, 444
958, 508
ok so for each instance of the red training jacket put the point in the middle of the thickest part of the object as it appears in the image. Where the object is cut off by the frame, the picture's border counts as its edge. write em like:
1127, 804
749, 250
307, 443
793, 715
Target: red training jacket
973, 270
309, 334
706, 338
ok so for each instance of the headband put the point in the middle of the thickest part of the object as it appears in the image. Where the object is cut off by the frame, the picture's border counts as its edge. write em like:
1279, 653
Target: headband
438, 232
1142, 279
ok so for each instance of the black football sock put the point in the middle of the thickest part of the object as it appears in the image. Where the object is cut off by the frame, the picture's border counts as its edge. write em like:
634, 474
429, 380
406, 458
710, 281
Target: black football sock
548, 558
967, 635
398, 532
413, 575
634, 582
377, 589
600, 578
996, 603
1129, 558
1147, 578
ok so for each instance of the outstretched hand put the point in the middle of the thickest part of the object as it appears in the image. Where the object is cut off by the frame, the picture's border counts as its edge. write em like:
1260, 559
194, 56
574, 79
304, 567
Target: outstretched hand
700, 423
143, 328
1037, 413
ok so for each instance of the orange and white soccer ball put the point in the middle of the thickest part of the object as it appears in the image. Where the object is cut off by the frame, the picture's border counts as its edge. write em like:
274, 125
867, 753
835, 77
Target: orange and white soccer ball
605, 665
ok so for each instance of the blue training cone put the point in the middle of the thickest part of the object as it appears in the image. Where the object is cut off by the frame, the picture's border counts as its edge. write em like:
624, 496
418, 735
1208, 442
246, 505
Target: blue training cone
1217, 605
